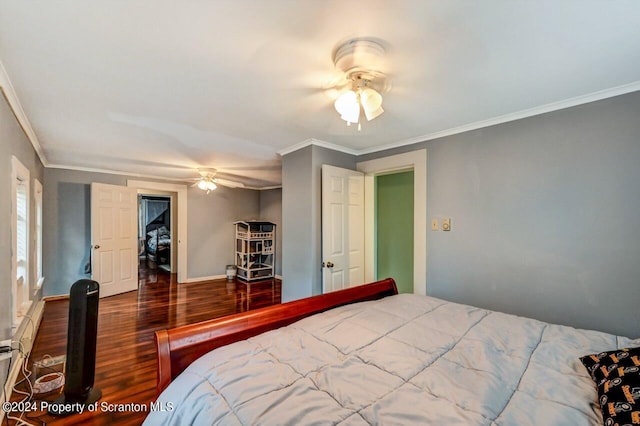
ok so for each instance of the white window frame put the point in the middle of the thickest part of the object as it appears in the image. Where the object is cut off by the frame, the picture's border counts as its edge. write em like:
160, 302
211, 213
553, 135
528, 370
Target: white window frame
37, 238
19, 289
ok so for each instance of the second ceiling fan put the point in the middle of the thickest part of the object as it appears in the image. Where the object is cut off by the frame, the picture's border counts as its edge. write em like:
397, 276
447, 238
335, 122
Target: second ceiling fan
208, 180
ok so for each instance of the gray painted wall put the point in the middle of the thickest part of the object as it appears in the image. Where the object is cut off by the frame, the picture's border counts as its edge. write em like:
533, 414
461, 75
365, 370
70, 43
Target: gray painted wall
544, 214
211, 234
301, 212
67, 227
13, 142
271, 210
297, 280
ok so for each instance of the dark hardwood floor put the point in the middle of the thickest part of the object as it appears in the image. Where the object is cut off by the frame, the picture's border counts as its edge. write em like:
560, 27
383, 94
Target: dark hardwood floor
126, 358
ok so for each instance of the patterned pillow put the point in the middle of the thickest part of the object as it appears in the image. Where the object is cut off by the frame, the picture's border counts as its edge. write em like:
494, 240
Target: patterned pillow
601, 365
617, 378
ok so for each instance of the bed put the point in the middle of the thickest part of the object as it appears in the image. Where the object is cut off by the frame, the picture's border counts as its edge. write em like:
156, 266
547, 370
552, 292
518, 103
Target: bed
367, 355
157, 244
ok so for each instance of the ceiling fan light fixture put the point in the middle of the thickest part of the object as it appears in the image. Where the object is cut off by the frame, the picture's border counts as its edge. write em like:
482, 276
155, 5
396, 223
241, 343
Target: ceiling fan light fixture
362, 61
348, 107
209, 182
349, 103
206, 183
371, 103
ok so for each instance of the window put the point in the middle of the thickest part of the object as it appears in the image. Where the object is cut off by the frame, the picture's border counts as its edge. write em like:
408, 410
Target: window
20, 239
37, 199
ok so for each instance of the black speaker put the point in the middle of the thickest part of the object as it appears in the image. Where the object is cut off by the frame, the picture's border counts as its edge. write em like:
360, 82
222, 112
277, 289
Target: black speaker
80, 365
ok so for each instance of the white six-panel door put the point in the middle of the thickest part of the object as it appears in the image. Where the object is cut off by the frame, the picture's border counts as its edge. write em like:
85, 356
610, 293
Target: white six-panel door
342, 228
114, 257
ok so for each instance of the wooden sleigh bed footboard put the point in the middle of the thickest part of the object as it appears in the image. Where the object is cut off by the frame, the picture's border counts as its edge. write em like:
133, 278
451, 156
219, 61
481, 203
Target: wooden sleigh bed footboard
179, 347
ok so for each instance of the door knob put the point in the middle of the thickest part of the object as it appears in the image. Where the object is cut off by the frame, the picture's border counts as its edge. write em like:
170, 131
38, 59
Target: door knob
96, 246
330, 265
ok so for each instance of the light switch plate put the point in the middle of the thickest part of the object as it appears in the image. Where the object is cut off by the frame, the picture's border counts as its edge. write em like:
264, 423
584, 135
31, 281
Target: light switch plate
446, 224
434, 224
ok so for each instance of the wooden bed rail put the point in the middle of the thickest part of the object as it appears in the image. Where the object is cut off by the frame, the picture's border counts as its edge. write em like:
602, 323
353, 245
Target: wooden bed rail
179, 347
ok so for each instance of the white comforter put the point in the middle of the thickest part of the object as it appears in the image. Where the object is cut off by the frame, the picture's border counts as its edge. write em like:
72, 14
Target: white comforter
402, 360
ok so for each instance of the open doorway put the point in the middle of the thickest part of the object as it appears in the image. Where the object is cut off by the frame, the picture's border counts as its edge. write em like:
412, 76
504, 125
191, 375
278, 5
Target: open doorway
416, 161
178, 220
155, 234
394, 228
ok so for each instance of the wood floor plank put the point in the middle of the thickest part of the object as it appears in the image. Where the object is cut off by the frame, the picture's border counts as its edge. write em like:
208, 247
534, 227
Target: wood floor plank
125, 354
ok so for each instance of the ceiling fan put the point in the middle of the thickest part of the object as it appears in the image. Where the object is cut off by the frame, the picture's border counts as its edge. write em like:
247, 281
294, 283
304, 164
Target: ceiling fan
208, 180
362, 62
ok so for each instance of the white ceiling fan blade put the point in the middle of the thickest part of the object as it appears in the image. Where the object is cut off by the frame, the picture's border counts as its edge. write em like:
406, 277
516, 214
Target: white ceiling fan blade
209, 174
228, 183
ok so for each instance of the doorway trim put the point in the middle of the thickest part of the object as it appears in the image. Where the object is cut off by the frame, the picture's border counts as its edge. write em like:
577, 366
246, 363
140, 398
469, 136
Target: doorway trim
416, 160
181, 201
173, 224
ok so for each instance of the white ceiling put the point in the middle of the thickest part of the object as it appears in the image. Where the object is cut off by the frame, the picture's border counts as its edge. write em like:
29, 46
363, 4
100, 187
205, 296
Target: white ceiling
160, 88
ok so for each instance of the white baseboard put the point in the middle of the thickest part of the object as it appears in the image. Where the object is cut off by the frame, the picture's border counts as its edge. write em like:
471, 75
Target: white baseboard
23, 340
215, 277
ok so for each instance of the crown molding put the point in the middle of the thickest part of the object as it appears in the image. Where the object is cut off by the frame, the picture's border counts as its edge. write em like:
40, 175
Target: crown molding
12, 100
9, 94
139, 175
265, 188
113, 172
530, 112
293, 148
317, 142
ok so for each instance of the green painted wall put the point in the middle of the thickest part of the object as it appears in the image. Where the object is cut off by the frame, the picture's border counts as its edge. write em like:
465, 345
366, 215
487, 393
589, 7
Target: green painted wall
394, 229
